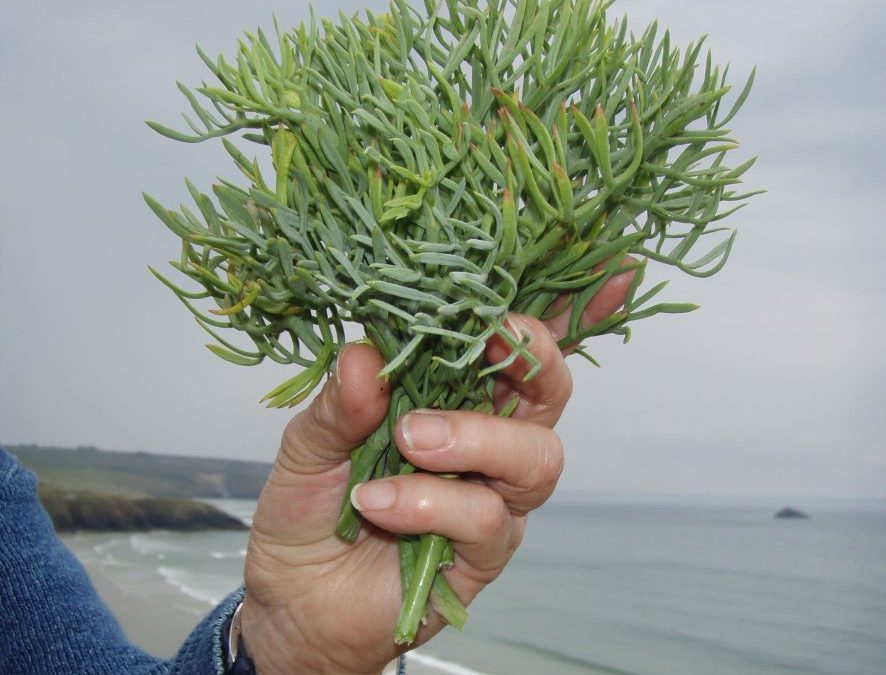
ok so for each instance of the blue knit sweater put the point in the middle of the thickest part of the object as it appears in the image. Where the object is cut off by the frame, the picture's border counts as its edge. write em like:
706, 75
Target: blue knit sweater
51, 619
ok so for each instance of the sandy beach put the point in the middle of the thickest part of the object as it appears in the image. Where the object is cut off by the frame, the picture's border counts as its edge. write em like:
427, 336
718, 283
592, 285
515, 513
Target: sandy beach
156, 619
159, 618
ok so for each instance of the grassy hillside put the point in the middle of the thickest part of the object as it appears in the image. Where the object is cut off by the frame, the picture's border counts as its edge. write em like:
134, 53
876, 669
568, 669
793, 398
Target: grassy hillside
142, 474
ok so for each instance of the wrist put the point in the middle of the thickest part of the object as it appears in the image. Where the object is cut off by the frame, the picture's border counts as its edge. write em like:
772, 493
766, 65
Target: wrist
277, 645
237, 660
276, 642
257, 635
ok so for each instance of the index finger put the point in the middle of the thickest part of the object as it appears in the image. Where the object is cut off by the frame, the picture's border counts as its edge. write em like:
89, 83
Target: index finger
608, 300
520, 460
543, 398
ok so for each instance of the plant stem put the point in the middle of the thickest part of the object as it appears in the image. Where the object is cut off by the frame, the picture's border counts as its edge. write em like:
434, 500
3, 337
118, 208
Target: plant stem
363, 462
446, 603
408, 551
369, 458
415, 601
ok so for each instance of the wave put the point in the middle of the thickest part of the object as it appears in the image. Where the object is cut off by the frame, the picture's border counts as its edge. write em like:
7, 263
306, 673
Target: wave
184, 582
156, 545
110, 560
594, 667
221, 555
105, 546
107, 558
443, 666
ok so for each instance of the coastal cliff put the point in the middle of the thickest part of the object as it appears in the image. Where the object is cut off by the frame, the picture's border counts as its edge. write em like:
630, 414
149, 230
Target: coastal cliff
143, 474
87, 489
73, 511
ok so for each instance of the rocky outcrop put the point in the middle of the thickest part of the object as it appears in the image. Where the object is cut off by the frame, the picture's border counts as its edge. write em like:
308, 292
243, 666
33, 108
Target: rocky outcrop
91, 511
788, 513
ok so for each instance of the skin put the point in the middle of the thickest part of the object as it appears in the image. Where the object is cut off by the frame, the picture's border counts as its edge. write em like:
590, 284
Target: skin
315, 604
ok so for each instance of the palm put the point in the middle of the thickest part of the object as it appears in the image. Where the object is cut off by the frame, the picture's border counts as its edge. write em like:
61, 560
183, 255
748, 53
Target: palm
357, 584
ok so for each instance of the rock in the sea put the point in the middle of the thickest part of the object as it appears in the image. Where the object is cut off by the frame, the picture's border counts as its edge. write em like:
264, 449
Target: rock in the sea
788, 512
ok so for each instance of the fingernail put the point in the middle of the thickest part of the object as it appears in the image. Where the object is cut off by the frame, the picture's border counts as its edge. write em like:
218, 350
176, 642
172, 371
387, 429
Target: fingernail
375, 495
425, 430
338, 365
518, 328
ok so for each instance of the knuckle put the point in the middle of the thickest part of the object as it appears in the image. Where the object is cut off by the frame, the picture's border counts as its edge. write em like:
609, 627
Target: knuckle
492, 516
553, 459
568, 384
548, 467
546, 464
516, 536
553, 386
535, 326
556, 389
312, 435
542, 343
292, 448
415, 502
316, 419
292, 431
321, 415
540, 475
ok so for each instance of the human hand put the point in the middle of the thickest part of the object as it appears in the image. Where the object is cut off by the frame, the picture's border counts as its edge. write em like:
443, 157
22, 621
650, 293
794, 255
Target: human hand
317, 604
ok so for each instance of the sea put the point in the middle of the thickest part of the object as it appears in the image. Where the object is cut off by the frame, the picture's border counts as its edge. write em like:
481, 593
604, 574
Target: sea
620, 588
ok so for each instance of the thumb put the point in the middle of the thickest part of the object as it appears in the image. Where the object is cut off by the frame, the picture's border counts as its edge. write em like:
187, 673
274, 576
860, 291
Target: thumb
302, 497
349, 407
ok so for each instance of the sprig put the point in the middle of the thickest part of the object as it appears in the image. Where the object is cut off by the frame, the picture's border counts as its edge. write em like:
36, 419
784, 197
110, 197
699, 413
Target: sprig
435, 170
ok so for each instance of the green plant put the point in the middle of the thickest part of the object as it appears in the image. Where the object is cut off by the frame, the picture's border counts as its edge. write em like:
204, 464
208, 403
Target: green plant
433, 171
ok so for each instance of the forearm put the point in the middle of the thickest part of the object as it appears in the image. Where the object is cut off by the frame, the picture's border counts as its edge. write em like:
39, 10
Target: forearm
53, 620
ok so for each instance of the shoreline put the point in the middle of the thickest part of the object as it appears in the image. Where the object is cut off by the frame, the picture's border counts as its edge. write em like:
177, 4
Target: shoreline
159, 617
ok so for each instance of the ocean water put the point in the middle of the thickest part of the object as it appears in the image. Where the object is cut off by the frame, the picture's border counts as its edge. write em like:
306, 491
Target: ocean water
203, 566
628, 589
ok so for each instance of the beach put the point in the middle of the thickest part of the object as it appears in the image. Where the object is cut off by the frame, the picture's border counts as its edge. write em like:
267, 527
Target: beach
158, 616
157, 621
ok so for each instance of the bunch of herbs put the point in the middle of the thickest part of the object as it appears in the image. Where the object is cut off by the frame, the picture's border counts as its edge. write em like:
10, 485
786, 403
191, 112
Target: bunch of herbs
432, 171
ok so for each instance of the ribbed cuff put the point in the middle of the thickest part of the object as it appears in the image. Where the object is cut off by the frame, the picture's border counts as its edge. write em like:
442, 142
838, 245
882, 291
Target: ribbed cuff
192, 657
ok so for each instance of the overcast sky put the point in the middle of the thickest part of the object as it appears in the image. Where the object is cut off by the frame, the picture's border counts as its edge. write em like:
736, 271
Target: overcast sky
774, 389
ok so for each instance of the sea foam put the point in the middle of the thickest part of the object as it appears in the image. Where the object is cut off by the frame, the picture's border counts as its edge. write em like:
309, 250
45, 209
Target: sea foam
443, 666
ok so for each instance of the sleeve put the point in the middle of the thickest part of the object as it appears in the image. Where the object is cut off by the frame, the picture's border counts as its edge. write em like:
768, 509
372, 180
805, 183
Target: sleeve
51, 618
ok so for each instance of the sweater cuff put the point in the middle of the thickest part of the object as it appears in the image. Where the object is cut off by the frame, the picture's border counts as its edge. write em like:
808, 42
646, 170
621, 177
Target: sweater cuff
203, 651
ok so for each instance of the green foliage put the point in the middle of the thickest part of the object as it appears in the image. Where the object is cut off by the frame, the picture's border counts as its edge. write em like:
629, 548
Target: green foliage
433, 171
142, 474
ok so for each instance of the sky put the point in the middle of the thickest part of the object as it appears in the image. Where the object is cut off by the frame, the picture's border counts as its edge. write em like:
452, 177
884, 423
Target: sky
774, 390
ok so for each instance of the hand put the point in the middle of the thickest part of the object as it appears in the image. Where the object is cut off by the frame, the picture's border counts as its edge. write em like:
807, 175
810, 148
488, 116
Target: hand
316, 604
